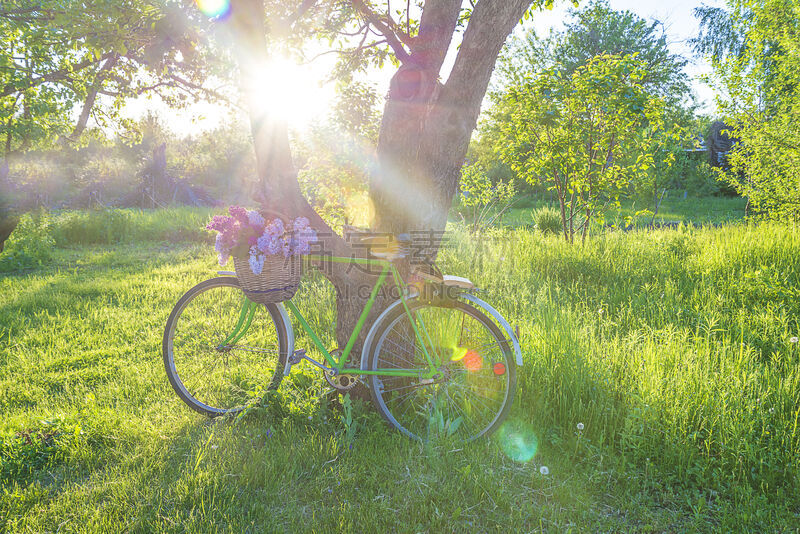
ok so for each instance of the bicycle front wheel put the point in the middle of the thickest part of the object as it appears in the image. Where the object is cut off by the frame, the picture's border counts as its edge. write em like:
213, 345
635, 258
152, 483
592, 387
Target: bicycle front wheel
472, 392
220, 350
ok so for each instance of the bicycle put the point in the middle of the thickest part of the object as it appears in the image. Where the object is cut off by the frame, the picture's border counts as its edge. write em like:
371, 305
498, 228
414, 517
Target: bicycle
433, 360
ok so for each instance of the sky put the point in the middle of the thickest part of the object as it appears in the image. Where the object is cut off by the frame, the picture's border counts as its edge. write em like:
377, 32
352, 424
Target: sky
310, 96
679, 23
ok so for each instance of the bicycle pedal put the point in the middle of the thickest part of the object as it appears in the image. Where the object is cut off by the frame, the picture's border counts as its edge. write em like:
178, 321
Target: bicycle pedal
297, 356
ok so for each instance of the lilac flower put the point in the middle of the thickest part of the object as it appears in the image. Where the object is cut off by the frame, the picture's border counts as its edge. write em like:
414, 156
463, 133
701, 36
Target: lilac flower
223, 253
256, 261
300, 223
263, 238
255, 219
219, 223
287, 247
239, 213
275, 228
269, 244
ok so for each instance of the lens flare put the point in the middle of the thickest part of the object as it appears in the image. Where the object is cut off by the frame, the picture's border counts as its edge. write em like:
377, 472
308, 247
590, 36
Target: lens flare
499, 368
472, 361
517, 441
214, 8
458, 354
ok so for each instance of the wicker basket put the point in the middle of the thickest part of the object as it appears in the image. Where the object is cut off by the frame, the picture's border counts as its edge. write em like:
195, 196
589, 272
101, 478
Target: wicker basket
277, 282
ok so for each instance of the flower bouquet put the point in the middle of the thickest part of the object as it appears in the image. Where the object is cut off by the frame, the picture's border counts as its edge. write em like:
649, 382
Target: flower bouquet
266, 253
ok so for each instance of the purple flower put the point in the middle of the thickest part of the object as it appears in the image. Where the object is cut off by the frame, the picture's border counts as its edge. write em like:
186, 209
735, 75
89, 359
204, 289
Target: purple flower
300, 223
256, 261
255, 219
287, 247
275, 228
269, 244
262, 237
219, 223
239, 213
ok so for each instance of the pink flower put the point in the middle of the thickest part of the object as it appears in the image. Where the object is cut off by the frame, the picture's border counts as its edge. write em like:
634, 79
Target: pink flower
239, 213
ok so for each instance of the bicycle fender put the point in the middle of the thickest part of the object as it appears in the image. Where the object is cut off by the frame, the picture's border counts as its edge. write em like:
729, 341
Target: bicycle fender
466, 296
287, 327
500, 320
372, 331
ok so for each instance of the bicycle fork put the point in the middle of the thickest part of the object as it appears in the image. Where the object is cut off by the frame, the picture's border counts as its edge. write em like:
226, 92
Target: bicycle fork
246, 315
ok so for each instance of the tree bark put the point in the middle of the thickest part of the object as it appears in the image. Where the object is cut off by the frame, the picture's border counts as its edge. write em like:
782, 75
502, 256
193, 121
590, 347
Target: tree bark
91, 96
7, 219
427, 125
423, 139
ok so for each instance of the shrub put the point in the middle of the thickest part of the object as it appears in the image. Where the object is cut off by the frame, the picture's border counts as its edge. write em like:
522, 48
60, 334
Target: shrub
547, 220
484, 202
30, 244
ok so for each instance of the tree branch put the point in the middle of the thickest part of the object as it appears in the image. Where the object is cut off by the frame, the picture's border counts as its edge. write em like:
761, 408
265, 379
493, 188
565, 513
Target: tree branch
55, 76
437, 25
301, 10
91, 96
489, 26
385, 29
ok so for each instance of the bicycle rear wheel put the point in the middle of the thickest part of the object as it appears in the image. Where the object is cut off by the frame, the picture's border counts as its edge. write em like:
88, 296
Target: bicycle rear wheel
474, 389
211, 369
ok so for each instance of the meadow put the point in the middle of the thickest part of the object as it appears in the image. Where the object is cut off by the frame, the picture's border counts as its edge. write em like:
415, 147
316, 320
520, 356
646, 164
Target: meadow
660, 390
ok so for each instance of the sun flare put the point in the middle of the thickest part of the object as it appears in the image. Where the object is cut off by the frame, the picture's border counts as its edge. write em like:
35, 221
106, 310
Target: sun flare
292, 92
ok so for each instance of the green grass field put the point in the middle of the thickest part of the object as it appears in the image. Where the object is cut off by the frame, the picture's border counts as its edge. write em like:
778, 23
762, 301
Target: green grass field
675, 208
672, 348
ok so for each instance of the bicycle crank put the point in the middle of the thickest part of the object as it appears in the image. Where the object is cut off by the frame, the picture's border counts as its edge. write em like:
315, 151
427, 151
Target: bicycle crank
340, 382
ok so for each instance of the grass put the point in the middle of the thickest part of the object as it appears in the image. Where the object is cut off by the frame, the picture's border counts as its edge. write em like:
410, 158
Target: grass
672, 347
690, 210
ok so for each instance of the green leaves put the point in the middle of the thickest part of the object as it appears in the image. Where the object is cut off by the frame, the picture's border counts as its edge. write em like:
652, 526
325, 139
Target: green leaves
582, 133
58, 55
760, 76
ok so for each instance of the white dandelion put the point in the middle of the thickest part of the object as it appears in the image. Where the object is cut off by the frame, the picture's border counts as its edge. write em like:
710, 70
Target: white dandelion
544, 470
793, 339
580, 426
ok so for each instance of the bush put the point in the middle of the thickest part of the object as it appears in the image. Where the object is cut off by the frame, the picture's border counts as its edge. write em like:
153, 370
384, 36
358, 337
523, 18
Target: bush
547, 220
30, 244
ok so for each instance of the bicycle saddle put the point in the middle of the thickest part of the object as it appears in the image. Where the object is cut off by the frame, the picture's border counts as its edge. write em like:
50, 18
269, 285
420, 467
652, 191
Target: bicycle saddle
383, 245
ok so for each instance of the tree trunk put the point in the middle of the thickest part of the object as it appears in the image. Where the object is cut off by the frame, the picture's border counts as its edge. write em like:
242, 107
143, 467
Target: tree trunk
427, 125
424, 134
7, 219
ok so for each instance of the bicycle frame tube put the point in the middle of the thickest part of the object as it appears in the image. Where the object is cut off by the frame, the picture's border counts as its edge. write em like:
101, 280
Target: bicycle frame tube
243, 324
249, 307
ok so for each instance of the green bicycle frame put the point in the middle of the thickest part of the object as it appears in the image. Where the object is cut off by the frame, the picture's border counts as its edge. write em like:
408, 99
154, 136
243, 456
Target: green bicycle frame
249, 308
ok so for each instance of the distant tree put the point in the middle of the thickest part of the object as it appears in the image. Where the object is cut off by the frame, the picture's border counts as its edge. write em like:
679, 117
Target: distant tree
485, 202
58, 54
586, 135
720, 37
759, 81
598, 29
